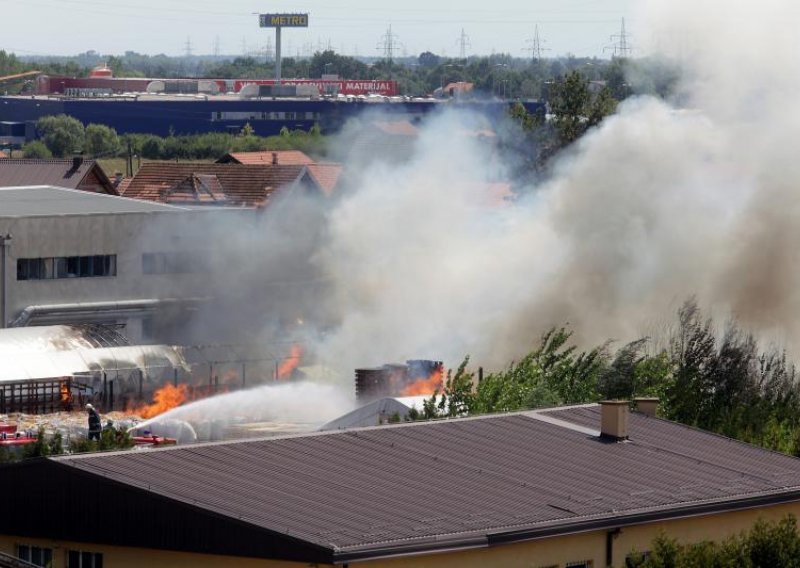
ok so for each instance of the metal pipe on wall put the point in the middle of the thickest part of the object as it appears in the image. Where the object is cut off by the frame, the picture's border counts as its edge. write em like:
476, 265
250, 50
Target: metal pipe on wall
5, 243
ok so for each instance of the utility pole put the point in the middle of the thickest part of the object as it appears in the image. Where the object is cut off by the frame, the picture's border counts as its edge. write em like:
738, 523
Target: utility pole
463, 43
620, 45
389, 44
536, 48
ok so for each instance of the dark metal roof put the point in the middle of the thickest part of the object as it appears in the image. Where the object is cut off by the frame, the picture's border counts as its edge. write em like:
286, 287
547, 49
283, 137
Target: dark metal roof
57, 172
468, 482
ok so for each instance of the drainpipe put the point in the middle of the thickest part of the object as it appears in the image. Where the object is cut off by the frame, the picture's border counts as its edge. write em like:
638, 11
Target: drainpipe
610, 536
5, 243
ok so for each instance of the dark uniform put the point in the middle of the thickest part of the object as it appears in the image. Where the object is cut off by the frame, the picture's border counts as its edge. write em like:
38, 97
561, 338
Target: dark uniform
94, 425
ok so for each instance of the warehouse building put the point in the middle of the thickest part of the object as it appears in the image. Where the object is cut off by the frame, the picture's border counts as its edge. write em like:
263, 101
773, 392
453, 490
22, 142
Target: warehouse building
72, 256
580, 486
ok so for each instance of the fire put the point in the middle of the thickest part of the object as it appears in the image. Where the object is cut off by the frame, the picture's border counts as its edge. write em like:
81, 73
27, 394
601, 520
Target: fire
165, 398
290, 362
428, 385
65, 393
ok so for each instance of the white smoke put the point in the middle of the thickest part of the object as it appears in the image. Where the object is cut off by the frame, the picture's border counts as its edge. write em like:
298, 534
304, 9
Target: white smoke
663, 201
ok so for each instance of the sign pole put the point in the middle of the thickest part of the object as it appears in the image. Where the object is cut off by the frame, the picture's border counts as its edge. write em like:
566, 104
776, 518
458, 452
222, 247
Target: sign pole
277, 55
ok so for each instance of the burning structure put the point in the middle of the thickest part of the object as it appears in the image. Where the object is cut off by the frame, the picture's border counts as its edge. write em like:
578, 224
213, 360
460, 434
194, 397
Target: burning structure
416, 377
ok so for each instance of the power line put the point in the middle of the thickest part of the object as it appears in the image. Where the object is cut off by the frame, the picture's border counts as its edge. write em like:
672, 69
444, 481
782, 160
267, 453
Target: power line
463, 43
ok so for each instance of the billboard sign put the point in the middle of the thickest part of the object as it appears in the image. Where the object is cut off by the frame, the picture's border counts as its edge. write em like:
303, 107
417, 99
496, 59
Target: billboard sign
283, 20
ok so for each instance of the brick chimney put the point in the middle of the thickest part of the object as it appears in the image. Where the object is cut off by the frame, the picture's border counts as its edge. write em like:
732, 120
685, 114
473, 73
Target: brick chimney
274, 158
647, 406
614, 420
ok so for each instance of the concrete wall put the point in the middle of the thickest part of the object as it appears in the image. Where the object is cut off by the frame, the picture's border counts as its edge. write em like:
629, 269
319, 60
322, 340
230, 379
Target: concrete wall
126, 235
556, 551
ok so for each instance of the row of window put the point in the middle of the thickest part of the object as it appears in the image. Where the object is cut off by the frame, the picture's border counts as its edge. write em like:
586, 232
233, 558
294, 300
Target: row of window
51, 268
66, 267
40, 556
233, 115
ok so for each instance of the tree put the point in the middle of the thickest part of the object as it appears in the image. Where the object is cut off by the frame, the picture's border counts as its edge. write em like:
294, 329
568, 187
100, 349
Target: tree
62, 134
428, 59
100, 140
36, 150
575, 109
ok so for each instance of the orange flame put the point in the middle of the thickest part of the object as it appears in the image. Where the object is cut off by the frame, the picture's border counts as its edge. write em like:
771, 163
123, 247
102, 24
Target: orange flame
165, 398
428, 385
290, 362
66, 395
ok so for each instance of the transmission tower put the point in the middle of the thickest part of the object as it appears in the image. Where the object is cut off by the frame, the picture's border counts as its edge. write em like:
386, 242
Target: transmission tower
535, 46
463, 43
620, 45
389, 44
215, 47
188, 46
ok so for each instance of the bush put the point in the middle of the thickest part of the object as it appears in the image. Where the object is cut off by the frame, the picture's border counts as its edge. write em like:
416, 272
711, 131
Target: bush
100, 140
36, 149
62, 134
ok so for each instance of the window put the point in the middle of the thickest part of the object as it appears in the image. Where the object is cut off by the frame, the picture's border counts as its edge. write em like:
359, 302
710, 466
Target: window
66, 267
83, 559
35, 555
582, 564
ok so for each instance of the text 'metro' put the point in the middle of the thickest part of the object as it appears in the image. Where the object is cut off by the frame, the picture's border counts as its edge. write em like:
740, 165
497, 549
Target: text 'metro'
283, 20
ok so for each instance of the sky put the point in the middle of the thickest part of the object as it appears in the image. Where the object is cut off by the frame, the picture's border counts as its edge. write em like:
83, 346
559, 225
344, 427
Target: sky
352, 27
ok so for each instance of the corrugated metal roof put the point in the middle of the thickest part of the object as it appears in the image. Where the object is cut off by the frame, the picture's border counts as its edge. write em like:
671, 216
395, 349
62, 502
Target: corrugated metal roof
247, 185
48, 201
57, 172
359, 492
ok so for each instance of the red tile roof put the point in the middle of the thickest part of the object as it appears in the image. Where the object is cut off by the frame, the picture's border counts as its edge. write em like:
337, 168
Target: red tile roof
3, 154
210, 184
87, 176
326, 175
282, 157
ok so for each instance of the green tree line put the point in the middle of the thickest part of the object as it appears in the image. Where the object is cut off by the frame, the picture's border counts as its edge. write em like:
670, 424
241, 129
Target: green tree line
62, 136
724, 383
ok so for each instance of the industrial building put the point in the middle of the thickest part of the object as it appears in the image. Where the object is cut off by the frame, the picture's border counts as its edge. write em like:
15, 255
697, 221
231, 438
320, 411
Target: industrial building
71, 256
580, 486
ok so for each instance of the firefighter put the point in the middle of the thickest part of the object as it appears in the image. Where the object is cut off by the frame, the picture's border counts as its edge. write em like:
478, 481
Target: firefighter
94, 423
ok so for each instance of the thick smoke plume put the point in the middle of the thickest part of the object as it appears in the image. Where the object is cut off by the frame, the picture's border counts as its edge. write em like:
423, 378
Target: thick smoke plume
696, 196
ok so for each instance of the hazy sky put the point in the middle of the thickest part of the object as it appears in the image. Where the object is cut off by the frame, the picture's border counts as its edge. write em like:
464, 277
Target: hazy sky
581, 27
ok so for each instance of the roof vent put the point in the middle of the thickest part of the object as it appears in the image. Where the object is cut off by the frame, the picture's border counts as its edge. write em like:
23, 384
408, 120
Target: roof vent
647, 406
614, 420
